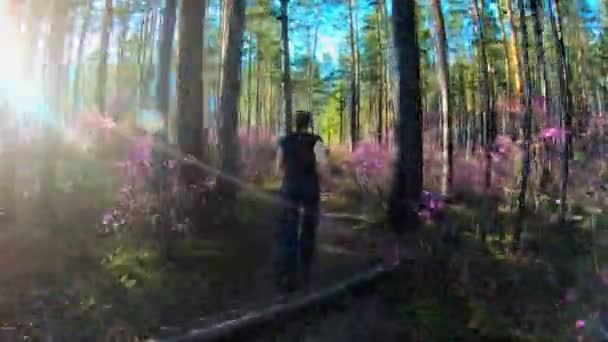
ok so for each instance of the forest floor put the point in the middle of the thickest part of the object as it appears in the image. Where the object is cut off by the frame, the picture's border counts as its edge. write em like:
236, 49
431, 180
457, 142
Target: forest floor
64, 281
47, 288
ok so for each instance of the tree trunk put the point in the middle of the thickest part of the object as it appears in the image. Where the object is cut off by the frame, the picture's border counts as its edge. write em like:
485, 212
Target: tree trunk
258, 104
222, 36
102, 70
165, 52
122, 39
149, 64
526, 126
341, 113
287, 95
249, 79
190, 87
311, 65
443, 78
407, 187
382, 73
566, 107
354, 85
487, 117
508, 56
84, 30
513, 49
141, 59
541, 67
229, 105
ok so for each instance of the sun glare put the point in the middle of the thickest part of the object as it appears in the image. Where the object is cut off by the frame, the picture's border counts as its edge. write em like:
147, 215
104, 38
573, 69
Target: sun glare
22, 95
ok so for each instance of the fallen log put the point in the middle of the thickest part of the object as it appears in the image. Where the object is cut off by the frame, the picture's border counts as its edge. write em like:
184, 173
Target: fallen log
232, 328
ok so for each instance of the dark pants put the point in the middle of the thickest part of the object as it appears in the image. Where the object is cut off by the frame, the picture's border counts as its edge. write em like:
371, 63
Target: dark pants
297, 245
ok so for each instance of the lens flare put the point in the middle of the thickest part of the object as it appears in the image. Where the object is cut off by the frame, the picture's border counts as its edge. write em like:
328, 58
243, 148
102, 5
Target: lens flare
20, 94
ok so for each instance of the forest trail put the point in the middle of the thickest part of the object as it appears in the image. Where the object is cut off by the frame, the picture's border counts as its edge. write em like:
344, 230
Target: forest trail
247, 281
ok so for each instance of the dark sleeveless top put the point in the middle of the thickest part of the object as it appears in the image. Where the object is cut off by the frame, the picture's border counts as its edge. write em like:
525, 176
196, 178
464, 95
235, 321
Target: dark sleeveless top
299, 157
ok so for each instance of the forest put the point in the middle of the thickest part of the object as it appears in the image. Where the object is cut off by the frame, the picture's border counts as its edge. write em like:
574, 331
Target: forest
466, 142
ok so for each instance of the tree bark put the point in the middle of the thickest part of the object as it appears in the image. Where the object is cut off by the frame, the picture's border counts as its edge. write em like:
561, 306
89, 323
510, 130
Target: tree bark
407, 182
513, 49
165, 52
190, 87
566, 105
526, 126
141, 59
541, 67
354, 85
487, 113
102, 70
229, 105
382, 73
258, 98
508, 56
287, 91
249, 80
149, 65
311, 65
443, 78
122, 39
341, 113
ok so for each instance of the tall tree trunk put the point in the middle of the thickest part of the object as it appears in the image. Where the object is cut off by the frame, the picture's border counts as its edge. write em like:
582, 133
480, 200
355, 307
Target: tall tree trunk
84, 30
487, 118
102, 70
354, 82
382, 73
342, 101
122, 40
513, 50
190, 87
311, 64
541, 67
407, 187
443, 78
566, 105
487, 115
509, 63
229, 105
222, 36
258, 98
249, 79
526, 126
287, 92
141, 58
149, 65
165, 52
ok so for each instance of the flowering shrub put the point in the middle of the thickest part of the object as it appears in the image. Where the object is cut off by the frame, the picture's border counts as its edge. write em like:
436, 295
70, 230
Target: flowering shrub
431, 206
258, 154
131, 209
371, 164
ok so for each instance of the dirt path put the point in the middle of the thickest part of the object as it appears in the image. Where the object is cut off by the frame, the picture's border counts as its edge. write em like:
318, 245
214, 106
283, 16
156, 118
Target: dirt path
247, 278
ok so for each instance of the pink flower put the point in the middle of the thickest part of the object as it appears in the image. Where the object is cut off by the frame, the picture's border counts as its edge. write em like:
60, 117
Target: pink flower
580, 324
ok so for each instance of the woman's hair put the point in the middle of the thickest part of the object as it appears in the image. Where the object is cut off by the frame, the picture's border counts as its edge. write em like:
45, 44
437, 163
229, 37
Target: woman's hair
302, 120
